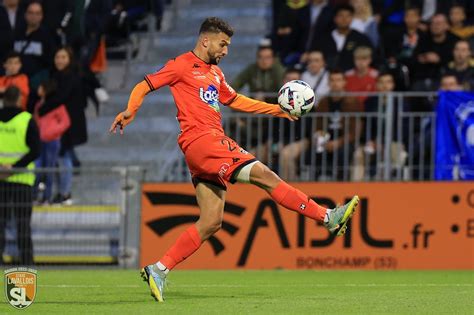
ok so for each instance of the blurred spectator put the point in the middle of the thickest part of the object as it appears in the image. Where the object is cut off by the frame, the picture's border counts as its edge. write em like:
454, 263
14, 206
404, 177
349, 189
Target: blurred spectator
316, 74
462, 65
282, 9
335, 133
89, 22
401, 45
363, 77
13, 76
49, 146
58, 19
449, 82
422, 133
457, 17
263, 76
399, 71
135, 11
398, 49
20, 147
429, 8
374, 134
312, 20
339, 45
364, 20
70, 92
389, 13
35, 46
434, 51
292, 144
12, 19
295, 25
118, 28
292, 74
263, 79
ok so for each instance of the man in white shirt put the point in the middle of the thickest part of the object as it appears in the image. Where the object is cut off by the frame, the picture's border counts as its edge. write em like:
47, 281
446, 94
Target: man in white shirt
316, 74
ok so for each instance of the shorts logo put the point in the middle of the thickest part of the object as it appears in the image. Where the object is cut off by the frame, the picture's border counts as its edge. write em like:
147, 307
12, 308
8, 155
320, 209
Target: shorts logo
20, 287
210, 96
224, 168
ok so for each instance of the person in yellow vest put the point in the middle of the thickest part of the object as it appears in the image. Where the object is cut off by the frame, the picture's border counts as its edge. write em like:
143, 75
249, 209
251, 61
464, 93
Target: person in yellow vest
19, 147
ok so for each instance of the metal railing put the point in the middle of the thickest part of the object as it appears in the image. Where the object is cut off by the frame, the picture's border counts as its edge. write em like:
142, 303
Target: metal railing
99, 224
401, 126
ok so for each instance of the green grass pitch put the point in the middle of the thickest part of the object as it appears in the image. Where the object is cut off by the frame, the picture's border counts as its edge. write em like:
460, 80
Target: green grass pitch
254, 292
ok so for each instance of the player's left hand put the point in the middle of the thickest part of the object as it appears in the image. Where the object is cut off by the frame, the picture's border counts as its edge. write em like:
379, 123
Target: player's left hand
123, 119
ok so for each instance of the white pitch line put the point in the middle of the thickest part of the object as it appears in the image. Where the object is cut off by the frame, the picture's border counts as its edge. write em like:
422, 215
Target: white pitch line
265, 285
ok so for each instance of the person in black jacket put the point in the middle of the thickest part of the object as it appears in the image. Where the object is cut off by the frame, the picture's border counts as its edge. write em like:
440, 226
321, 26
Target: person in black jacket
35, 46
20, 146
434, 51
70, 91
58, 19
298, 26
339, 45
12, 19
442, 6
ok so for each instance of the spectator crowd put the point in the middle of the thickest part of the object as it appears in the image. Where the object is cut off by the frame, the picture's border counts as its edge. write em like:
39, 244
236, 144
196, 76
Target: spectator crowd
361, 46
52, 52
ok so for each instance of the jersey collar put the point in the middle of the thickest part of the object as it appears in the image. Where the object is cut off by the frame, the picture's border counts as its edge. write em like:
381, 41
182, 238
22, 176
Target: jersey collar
196, 56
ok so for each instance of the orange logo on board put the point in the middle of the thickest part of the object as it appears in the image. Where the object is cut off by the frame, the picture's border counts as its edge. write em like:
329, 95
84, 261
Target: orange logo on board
20, 286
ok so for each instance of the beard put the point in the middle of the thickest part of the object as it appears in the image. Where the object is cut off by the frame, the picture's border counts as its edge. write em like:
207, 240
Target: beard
214, 60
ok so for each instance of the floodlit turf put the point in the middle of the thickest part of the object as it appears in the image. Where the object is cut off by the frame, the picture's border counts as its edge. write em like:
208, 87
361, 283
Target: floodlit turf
255, 292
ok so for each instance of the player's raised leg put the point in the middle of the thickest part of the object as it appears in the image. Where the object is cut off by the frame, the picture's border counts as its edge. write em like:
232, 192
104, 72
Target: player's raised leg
291, 198
211, 201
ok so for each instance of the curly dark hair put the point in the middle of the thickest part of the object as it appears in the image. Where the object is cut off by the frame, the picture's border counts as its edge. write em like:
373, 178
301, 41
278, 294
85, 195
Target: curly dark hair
216, 25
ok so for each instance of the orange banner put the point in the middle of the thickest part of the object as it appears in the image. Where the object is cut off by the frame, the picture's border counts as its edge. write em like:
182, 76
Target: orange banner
396, 226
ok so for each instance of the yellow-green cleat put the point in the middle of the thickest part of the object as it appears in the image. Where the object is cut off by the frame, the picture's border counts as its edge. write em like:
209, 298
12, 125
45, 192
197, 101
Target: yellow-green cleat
337, 218
156, 280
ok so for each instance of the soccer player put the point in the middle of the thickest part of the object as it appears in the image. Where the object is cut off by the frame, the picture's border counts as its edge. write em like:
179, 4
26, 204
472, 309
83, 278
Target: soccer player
198, 86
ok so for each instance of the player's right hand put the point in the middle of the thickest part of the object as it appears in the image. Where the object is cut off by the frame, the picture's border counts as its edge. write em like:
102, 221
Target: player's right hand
291, 118
287, 116
123, 119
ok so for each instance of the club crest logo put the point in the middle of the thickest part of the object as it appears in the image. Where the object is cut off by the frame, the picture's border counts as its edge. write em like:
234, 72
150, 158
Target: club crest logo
20, 287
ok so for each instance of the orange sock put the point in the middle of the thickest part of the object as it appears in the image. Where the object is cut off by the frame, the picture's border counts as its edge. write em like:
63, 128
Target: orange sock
293, 199
186, 244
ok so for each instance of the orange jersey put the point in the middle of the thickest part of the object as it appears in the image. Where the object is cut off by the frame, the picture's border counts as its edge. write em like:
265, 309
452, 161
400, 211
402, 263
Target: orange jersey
21, 82
197, 89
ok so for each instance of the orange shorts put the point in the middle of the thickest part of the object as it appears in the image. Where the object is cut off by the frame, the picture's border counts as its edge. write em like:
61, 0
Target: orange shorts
215, 158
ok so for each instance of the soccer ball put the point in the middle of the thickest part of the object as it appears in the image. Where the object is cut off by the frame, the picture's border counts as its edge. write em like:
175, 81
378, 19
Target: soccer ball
296, 98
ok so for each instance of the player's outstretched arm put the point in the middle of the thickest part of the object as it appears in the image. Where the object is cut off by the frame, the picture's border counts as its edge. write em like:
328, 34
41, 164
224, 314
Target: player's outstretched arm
249, 105
136, 99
